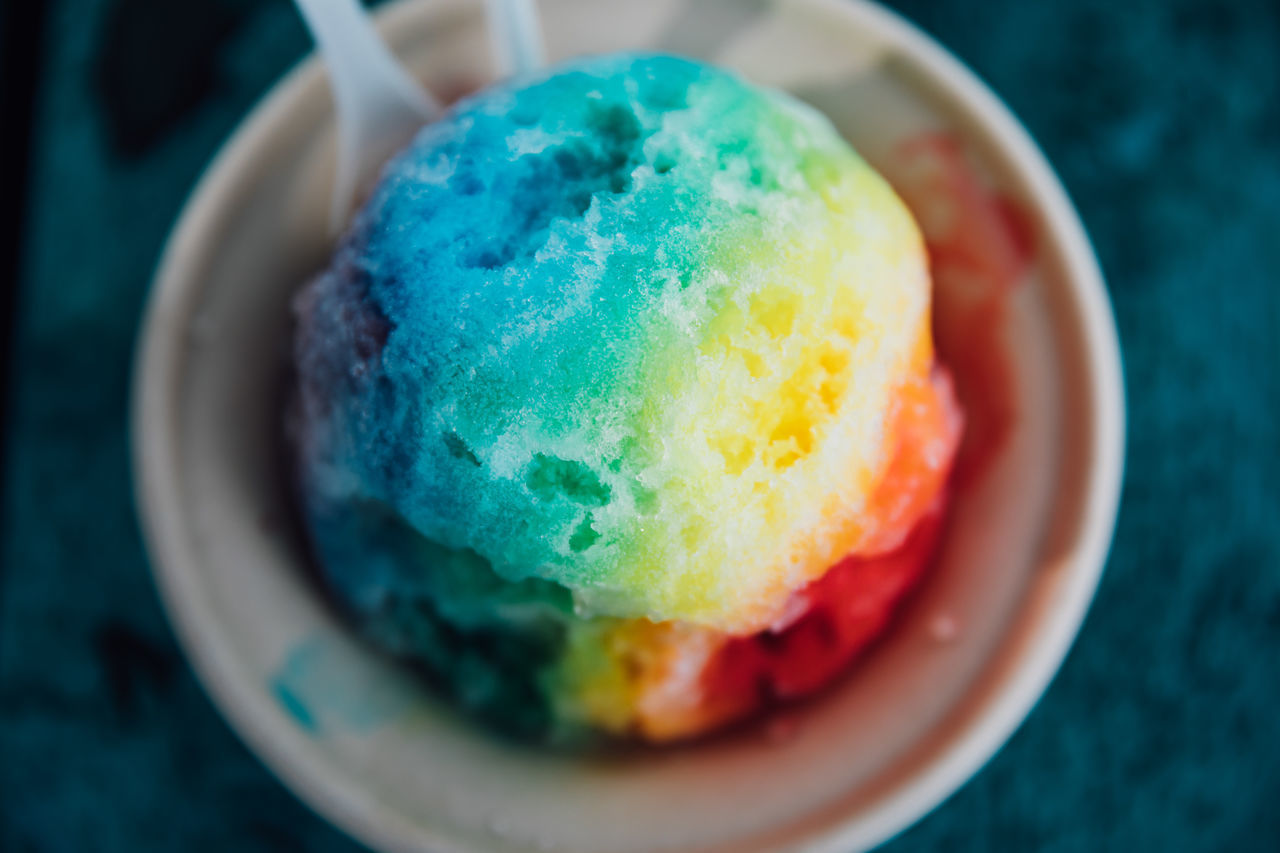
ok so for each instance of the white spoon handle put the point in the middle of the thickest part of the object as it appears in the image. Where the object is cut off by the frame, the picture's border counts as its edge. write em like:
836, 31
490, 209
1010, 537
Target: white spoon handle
515, 35
379, 105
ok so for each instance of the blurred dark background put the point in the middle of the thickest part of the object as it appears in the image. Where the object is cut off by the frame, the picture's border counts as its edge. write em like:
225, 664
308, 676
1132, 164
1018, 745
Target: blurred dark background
1160, 734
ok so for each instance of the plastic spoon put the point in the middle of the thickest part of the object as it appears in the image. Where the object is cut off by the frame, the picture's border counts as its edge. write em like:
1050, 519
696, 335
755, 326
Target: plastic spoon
515, 36
379, 105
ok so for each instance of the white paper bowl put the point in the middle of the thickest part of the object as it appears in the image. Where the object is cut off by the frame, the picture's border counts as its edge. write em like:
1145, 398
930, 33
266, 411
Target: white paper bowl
363, 743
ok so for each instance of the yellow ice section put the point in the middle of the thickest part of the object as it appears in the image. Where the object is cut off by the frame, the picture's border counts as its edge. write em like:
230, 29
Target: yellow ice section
764, 427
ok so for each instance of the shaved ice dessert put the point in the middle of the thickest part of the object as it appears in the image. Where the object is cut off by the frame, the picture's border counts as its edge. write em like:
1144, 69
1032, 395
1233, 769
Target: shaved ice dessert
617, 408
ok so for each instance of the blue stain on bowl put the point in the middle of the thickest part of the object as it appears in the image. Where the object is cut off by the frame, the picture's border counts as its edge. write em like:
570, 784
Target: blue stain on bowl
293, 704
326, 685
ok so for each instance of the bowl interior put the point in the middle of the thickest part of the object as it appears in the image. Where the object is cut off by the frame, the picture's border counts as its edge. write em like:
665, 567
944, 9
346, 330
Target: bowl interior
364, 743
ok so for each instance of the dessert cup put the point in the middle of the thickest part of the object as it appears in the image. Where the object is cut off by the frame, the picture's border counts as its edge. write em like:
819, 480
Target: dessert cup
365, 742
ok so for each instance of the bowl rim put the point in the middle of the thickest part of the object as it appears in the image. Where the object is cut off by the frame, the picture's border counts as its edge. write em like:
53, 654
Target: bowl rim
160, 356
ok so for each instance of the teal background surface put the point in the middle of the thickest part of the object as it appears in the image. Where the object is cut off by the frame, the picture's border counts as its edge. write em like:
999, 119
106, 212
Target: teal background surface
1160, 733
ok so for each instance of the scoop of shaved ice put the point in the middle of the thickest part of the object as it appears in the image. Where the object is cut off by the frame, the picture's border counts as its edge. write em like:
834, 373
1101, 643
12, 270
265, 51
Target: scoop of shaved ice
610, 369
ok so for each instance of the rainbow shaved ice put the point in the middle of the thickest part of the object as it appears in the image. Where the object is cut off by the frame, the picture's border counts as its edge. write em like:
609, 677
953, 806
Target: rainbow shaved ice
617, 408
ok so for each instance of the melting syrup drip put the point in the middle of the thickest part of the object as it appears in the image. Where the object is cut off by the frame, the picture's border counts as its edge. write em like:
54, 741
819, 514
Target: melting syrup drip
980, 246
